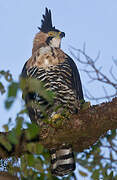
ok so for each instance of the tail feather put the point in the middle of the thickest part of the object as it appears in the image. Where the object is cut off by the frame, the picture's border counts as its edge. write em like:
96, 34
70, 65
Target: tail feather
62, 160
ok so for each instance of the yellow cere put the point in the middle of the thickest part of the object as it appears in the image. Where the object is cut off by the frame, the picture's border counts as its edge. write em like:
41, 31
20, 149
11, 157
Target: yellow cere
54, 34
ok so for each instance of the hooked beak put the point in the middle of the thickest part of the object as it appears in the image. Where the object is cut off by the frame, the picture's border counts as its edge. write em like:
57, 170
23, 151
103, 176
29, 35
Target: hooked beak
62, 34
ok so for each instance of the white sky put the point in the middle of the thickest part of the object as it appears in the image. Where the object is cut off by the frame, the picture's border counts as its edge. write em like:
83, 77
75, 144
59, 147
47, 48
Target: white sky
92, 22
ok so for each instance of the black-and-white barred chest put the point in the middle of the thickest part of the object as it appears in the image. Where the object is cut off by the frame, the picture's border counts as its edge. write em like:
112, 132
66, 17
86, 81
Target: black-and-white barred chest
57, 78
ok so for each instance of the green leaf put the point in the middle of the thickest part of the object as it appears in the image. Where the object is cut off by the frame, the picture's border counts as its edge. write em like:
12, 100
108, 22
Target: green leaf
6, 128
85, 105
30, 160
5, 143
7, 75
34, 85
35, 148
23, 111
39, 148
84, 174
12, 92
12, 137
19, 124
96, 174
12, 89
31, 147
2, 89
8, 103
32, 131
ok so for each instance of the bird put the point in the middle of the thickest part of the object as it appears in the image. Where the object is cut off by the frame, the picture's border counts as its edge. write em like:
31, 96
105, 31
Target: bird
58, 72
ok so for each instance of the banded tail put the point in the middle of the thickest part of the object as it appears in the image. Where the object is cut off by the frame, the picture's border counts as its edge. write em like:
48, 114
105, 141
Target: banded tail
62, 160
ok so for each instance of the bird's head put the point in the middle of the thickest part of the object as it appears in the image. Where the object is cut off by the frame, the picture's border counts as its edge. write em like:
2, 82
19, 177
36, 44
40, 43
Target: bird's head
54, 38
48, 33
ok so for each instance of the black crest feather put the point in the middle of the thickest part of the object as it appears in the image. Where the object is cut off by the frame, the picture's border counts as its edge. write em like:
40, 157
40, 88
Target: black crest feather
46, 25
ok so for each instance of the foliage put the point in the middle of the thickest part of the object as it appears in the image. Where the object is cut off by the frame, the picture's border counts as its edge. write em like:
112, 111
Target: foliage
99, 161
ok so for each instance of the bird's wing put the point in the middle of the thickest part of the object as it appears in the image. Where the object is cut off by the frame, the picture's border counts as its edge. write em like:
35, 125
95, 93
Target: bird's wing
76, 82
24, 71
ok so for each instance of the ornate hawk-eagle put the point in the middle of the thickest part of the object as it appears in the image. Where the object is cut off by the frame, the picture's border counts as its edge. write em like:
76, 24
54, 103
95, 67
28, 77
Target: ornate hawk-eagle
58, 72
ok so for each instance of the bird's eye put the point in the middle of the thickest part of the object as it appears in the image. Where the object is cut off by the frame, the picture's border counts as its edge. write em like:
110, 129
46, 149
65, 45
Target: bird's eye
51, 33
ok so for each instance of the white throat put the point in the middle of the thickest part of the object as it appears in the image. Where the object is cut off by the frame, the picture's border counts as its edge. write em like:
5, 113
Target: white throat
55, 42
44, 50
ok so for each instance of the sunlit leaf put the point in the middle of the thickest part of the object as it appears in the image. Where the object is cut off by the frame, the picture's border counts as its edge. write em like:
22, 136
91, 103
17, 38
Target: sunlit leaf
82, 173
6, 128
39, 148
5, 143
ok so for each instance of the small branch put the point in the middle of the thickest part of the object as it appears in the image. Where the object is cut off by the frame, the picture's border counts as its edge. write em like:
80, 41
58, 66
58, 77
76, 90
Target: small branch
94, 73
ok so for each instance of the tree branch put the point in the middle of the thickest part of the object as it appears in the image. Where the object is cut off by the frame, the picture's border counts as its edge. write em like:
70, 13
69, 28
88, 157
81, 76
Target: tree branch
7, 176
81, 130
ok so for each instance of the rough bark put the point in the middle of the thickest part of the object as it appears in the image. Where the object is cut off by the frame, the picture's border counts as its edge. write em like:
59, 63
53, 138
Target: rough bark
82, 130
7, 176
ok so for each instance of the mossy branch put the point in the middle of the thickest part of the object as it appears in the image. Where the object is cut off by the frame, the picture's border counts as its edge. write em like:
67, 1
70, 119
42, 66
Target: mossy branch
81, 130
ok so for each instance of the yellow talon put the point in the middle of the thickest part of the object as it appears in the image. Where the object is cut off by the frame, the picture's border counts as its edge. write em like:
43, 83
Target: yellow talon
56, 116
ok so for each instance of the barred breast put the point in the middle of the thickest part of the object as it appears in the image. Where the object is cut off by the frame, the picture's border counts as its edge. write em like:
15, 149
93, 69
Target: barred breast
57, 78
58, 74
